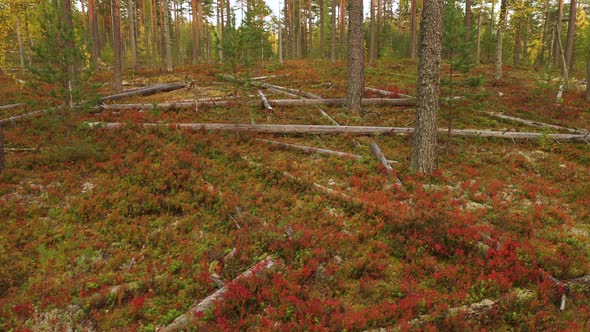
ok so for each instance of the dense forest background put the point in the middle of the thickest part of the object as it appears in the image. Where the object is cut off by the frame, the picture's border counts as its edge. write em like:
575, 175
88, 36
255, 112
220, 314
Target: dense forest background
174, 33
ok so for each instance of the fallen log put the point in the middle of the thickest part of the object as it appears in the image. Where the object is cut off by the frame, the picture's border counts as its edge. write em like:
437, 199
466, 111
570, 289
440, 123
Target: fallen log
381, 157
12, 106
273, 90
144, 91
309, 149
273, 102
264, 101
352, 130
294, 91
185, 320
537, 124
385, 93
327, 116
26, 115
262, 78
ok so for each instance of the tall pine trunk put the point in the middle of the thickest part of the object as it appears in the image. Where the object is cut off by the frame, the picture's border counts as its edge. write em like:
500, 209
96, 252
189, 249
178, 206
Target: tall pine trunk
372, 34
117, 49
424, 150
93, 23
356, 56
558, 26
412, 48
499, 36
131, 14
571, 33
333, 34
167, 43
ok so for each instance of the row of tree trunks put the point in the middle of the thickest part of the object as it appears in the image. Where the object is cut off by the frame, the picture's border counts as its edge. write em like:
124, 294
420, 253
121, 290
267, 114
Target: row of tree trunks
144, 91
352, 130
188, 319
537, 124
271, 102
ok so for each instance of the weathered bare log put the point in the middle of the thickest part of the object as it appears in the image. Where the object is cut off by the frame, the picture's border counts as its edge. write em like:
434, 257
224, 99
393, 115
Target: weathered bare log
386, 93
353, 130
292, 95
273, 102
26, 115
191, 316
262, 78
537, 124
144, 91
327, 116
309, 149
295, 91
12, 106
265, 101
381, 157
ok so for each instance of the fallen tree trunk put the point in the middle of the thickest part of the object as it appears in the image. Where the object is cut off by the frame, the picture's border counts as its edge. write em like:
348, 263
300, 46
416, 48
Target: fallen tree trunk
386, 93
309, 149
381, 157
273, 90
537, 124
262, 78
272, 102
264, 101
26, 115
12, 106
294, 91
191, 316
144, 91
353, 130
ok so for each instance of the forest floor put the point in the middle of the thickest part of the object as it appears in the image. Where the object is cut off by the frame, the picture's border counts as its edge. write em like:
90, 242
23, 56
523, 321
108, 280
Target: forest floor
124, 229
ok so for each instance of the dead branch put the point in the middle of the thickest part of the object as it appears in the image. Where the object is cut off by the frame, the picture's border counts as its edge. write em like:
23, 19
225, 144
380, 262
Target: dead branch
12, 106
386, 93
327, 116
381, 157
536, 124
309, 149
265, 101
294, 91
144, 91
191, 316
262, 78
353, 130
273, 90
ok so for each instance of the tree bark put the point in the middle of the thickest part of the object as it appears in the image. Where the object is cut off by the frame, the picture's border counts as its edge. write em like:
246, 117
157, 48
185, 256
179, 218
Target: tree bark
412, 47
571, 33
118, 66
424, 150
356, 57
93, 23
372, 34
499, 36
166, 30
478, 43
131, 13
467, 21
558, 26
333, 34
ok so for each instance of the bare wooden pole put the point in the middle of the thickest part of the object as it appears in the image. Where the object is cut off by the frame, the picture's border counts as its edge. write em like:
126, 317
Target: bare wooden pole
351, 130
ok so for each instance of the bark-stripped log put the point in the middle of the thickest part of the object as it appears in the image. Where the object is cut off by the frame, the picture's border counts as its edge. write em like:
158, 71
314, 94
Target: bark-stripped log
273, 102
26, 115
537, 124
12, 106
386, 93
185, 320
294, 91
144, 91
264, 101
327, 116
310, 149
292, 95
353, 130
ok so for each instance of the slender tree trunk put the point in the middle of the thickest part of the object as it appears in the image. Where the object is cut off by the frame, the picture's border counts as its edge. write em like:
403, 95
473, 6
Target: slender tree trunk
71, 60
131, 15
412, 48
28, 38
322, 30
356, 56
491, 34
478, 45
499, 36
333, 34
571, 33
93, 23
424, 150
309, 28
178, 48
167, 43
372, 35
467, 20
195, 28
118, 66
21, 48
379, 29
558, 27
588, 78
517, 45
342, 19
541, 55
